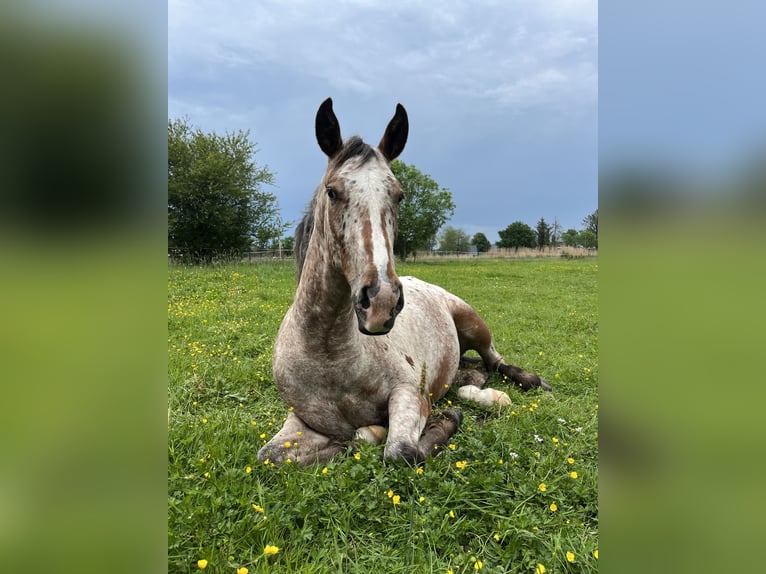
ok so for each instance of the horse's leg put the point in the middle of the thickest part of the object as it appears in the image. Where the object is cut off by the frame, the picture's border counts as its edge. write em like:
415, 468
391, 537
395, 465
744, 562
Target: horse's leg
407, 416
474, 334
437, 433
469, 383
300, 444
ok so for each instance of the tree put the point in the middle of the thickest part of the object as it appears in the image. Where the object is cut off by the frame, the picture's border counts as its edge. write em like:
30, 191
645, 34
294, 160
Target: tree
591, 224
517, 234
215, 203
556, 233
542, 234
423, 211
587, 238
481, 242
569, 237
453, 239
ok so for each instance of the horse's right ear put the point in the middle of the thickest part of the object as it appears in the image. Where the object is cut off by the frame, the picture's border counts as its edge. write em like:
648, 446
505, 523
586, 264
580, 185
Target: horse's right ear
328, 129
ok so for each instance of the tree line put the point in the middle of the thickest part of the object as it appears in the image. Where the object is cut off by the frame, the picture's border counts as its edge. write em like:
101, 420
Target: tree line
217, 205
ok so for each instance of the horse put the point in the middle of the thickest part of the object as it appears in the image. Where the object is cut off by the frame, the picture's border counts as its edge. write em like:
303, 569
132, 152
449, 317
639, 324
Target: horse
351, 358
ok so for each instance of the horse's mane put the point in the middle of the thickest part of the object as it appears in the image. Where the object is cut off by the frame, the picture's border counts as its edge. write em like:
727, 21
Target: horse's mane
353, 147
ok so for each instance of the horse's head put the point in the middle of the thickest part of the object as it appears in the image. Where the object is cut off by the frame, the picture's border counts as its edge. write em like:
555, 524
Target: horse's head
357, 206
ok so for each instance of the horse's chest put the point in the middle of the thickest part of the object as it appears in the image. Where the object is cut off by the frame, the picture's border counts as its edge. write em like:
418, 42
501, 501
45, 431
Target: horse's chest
333, 399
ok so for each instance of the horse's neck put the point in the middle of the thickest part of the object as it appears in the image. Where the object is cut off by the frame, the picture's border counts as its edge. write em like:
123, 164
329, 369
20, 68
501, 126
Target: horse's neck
323, 299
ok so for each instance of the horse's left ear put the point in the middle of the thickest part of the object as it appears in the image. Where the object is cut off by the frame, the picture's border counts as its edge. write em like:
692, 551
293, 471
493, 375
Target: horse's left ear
395, 137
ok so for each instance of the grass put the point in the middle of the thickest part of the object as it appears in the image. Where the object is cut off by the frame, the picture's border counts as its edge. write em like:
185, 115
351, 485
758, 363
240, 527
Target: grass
479, 506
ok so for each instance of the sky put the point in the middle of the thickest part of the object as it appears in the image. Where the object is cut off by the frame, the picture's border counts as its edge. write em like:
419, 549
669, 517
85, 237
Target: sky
502, 96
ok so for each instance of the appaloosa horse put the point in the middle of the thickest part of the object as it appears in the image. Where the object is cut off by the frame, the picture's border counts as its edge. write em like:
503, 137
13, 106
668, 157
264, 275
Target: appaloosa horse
351, 358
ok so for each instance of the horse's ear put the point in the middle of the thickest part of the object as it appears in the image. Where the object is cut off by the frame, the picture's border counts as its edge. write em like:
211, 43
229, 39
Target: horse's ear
395, 137
328, 129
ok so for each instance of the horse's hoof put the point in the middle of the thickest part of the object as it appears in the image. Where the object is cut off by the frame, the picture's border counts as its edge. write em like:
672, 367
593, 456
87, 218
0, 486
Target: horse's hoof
402, 453
544, 385
454, 415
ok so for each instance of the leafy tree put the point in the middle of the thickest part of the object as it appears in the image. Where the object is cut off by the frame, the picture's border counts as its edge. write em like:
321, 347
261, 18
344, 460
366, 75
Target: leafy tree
453, 239
481, 242
587, 238
215, 203
542, 234
591, 224
423, 211
517, 234
569, 237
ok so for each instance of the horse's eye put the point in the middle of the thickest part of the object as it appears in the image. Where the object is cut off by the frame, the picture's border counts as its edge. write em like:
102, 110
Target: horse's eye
331, 193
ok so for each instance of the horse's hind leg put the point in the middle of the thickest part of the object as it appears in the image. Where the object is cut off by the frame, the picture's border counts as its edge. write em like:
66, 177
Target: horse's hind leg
474, 334
297, 443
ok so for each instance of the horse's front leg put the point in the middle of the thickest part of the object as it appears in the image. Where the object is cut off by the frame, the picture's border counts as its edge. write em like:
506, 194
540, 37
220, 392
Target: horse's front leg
297, 443
408, 415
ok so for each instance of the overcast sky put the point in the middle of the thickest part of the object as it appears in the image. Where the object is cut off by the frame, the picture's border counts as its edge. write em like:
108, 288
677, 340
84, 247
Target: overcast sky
502, 95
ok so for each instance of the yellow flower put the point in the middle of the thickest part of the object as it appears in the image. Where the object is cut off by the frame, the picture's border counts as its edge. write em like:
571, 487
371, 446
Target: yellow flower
270, 550
496, 537
390, 493
288, 444
421, 499
449, 571
357, 455
553, 507
257, 508
396, 499
452, 447
478, 565
451, 514
419, 470
204, 421
325, 471
570, 460
298, 433
248, 469
461, 464
570, 557
595, 554
543, 487
202, 564
573, 474
540, 569
262, 435
555, 440
206, 475
242, 570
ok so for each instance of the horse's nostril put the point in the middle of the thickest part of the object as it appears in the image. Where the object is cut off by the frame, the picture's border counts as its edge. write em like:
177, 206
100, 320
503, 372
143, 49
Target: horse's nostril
365, 300
399, 303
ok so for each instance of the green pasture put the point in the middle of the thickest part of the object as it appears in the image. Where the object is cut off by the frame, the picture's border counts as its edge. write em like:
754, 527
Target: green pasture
516, 491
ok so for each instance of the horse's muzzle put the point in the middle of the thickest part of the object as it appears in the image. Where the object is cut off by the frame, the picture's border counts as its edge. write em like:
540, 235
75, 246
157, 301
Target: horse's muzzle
377, 306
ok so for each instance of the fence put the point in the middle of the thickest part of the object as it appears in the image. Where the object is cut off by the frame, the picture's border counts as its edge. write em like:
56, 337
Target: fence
178, 256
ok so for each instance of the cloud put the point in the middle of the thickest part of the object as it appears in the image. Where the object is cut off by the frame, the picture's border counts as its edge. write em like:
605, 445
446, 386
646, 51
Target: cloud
502, 53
